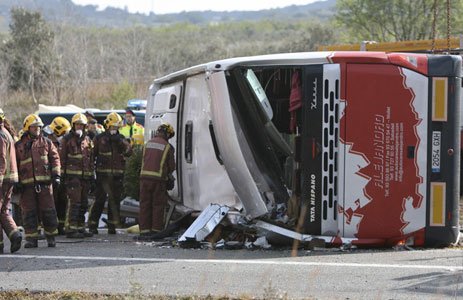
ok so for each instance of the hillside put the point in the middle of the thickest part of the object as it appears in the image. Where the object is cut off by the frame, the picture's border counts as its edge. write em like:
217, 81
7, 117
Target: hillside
65, 11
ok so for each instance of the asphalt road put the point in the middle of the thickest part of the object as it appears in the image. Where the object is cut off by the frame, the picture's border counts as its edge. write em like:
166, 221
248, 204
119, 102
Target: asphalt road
117, 264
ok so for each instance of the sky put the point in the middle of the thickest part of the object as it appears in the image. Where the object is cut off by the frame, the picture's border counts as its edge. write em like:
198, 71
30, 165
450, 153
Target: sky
175, 6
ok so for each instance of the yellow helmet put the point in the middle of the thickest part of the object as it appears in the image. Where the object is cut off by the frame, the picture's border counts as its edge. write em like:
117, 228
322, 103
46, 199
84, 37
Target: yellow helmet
79, 118
2, 115
113, 119
32, 120
166, 129
137, 139
60, 126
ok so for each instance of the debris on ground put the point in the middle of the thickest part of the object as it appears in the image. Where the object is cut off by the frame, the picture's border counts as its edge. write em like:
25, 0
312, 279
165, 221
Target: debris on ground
222, 227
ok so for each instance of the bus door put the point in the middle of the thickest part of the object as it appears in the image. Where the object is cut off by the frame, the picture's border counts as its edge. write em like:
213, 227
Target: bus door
164, 108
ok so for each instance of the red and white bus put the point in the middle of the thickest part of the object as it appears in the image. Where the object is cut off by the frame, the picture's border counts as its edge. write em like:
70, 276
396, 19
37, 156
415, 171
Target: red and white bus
365, 146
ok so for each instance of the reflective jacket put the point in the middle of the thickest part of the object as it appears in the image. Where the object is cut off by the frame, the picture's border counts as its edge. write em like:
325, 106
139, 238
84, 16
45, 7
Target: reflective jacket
76, 156
158, 159
110, 152
8, 166
37, 158
129, 130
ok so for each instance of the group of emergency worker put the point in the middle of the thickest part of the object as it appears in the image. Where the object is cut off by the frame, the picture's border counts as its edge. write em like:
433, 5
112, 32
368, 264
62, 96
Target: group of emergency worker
53, 174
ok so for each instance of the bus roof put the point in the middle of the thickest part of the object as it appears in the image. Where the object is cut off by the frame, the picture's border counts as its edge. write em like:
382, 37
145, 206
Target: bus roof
226, 64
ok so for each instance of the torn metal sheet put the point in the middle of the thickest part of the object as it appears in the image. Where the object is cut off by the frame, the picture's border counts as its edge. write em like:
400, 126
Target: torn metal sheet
269, 229
205, 223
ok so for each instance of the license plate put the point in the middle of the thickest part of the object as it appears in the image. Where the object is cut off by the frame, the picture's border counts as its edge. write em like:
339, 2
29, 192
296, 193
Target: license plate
435, 155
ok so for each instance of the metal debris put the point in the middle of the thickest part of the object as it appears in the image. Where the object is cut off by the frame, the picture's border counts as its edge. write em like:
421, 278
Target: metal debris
205, 223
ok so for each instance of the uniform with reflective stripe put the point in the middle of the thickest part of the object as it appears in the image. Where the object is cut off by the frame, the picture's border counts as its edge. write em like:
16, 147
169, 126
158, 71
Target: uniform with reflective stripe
158, 160
110, 154
77, 156
38, 159
8, 165
129, 130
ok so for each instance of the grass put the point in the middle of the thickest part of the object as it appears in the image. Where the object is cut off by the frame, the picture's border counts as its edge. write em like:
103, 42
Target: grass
27, 295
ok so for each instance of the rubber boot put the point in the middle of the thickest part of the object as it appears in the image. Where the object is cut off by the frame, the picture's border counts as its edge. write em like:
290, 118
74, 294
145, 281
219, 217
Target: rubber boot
31, 243
15, 240
144, 237
85, 233
93, 230
51, 241
111, 230
74, 235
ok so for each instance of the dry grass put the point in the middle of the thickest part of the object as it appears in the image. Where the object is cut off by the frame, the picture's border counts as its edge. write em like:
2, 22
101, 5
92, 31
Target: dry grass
17, 105
22, 295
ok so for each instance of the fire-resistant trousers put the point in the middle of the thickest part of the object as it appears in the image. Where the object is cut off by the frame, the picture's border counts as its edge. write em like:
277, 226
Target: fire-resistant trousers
38, 200
6, 221
77, 193
111, 188
61, 201
153, 201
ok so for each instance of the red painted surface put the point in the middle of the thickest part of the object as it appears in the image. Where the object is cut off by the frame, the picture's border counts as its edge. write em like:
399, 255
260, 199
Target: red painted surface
415, 62
379, 123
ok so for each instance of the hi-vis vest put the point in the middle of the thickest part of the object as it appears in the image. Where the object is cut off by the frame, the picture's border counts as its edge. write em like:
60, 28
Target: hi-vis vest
158, 160
129, 130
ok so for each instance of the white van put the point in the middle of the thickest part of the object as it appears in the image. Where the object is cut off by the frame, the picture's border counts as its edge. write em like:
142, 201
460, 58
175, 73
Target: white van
367, 142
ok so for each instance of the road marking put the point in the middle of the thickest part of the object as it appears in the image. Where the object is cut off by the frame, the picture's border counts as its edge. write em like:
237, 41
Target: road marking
239, 262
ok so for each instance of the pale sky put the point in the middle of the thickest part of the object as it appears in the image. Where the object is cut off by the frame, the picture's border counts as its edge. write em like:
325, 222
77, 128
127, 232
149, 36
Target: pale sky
174, 6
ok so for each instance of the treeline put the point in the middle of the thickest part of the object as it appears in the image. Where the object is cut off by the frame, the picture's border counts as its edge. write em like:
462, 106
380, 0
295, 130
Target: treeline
65, 11
94, 67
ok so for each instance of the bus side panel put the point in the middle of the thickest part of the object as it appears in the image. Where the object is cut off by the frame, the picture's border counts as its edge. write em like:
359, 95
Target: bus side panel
384, 132
443, 214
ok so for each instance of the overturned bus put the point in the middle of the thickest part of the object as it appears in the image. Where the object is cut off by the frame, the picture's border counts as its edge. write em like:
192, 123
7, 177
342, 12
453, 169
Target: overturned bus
361, 148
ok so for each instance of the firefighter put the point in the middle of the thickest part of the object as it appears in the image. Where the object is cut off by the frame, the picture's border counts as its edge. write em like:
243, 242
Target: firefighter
60, 127
155, 176
93, 124
8, 177
111, 150
39, 168
77, 168
92, 129
131, 127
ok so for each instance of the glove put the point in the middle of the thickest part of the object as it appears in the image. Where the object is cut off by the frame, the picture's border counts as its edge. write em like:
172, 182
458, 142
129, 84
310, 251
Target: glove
18, 188
170, 182
56, 180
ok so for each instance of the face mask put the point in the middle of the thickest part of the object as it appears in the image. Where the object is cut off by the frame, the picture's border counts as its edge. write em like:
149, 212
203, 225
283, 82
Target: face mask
59, 139
79, 132
113, 132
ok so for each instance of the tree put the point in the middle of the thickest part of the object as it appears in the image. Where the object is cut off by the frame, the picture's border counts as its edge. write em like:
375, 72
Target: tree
395, 20
132, 173
30, 51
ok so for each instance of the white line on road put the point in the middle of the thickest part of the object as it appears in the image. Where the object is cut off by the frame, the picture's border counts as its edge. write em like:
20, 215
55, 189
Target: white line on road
239, 262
